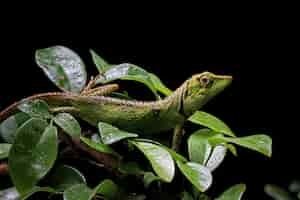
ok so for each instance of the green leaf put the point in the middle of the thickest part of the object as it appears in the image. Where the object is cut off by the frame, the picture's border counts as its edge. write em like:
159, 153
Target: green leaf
36, 108
130, 168
197, 174
233, 193
13, 194
210, 121
176, 156
294, 186
107, 188
63, 67
68, 123
33, 154
216, 158
63, 177
9, 194
160, 159
149, 178
260, 143
132, 72
159, 86
199, 147
8, 128
277, 193
4, 150
100, 63
110, 134
186, 196
231, 148
78, 192
99, 146
37, 189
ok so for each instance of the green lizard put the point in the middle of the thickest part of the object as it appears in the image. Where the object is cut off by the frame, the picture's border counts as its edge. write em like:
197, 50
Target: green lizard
137, 116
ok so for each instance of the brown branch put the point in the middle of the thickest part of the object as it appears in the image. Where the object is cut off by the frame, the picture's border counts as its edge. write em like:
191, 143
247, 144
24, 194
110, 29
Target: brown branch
3, 169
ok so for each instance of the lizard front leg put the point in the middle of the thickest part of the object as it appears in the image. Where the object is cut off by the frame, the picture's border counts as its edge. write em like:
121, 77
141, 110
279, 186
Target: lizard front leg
177, 137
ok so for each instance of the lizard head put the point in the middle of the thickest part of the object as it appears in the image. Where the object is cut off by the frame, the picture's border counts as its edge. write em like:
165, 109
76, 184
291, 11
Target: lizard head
200, 88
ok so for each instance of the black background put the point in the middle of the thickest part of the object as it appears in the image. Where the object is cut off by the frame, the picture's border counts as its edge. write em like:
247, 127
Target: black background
261, 99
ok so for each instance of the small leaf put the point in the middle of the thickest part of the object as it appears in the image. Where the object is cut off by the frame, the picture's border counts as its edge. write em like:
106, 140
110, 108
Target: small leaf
8, 128
36, 108
232, 149
100, 63
110, 134
78, 192
186, 196
9, 194
149, 178
233, 193
176, 156
108, 189
63, 67
130, 168
216, 158
277, 193
259, 143
199, 147
197, 174
68, 123
210, 121
37, 189
132, 72
159, 86
160, 159
99, 147
4, 150
33, 154
63, 177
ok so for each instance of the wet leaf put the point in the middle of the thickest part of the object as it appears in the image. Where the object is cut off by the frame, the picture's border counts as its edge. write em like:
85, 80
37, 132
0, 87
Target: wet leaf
110, 134
216, 158
99, 147
160, 159
63, 67
176, 156
33, 154
4, 150
68, 123
63, 177
233, 193
277, 193
8, 128
78, 192
259, 143
197, 174
132, 72
199, 147
108, 189
9, 194
36, 108
149, 178
100, 63
210, 121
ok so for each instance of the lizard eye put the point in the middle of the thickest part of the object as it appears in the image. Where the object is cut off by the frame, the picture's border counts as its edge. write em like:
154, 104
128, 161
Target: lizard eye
205, 81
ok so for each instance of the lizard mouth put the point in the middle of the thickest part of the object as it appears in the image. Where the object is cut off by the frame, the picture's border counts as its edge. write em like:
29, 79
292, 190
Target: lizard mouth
223, 77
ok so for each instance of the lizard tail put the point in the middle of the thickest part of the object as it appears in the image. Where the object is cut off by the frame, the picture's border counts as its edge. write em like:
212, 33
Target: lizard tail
58, 98
13, 108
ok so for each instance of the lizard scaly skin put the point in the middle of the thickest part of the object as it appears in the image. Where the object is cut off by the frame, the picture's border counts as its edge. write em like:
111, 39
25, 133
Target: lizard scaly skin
138, 116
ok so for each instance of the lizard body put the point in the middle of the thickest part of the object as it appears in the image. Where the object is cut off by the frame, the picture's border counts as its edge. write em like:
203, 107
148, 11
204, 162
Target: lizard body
138, 116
